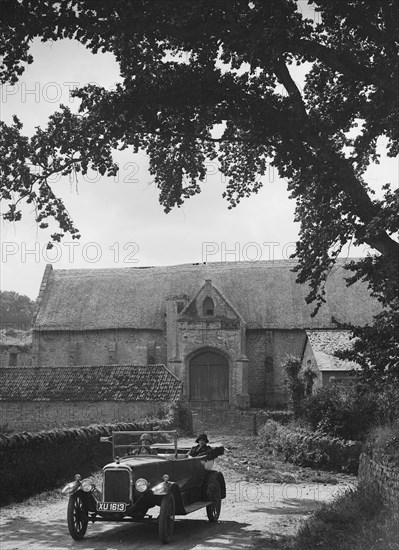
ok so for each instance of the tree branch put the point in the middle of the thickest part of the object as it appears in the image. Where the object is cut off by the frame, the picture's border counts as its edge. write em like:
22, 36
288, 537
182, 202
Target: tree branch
363, 206
336, 61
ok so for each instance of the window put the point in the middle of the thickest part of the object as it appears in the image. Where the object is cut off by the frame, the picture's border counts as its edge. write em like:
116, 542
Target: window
13, 359
208, 307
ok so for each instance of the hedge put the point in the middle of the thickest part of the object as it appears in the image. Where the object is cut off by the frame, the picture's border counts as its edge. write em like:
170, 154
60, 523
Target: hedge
311, 448
34, 462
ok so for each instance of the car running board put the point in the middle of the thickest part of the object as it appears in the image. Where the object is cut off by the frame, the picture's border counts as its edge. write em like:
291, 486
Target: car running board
197, 505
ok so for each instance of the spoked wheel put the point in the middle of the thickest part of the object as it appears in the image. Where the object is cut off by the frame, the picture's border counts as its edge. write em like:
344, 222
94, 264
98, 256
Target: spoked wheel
213, 493
166, 519
77, 516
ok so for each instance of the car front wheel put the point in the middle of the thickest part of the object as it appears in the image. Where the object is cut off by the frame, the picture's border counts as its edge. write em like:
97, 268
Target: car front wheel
166, 518
213, 493
77, 516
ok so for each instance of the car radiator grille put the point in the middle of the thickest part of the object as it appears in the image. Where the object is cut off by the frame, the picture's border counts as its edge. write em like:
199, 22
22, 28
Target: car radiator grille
116, 486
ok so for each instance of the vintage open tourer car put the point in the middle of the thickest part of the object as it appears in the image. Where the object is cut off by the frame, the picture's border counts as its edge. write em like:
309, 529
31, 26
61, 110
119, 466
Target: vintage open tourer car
138, 479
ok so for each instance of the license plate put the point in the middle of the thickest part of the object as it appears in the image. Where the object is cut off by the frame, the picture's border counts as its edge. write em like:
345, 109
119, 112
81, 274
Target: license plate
111, 507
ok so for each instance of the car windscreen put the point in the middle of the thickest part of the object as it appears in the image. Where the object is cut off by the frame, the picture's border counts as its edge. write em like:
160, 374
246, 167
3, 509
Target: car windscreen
126, 442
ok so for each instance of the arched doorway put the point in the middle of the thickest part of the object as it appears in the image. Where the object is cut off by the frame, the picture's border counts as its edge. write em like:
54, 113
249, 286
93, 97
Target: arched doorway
209, 378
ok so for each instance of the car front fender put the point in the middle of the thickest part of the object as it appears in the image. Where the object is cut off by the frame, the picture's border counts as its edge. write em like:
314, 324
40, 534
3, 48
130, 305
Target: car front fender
71, 488
167, 487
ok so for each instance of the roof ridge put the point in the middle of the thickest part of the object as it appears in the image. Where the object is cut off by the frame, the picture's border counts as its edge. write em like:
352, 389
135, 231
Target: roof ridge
240, 263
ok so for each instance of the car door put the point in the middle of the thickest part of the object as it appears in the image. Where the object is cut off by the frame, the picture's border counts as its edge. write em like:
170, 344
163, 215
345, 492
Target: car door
189, 474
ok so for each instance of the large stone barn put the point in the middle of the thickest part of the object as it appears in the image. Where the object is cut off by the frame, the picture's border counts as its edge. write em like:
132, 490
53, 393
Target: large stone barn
223, 329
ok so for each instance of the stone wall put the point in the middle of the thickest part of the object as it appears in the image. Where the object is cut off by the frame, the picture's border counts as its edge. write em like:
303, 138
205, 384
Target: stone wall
381, 470
34, 462
22, 357
99, 347
44, 415
196, 330
266, 350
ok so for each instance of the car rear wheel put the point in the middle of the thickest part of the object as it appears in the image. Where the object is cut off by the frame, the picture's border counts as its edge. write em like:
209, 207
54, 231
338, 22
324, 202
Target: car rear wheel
213, 493
166, 518
77, 516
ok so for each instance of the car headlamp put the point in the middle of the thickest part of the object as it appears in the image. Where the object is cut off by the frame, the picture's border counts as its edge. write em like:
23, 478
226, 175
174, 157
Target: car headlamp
141, 485
87, 485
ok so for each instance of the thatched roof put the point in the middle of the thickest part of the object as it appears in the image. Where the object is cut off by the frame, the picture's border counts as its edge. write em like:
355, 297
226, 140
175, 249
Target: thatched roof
264, 293
325, 343
103, 383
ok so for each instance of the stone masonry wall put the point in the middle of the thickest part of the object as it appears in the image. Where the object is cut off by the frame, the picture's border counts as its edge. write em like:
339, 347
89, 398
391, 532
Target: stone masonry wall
44, 415
381, 470
23, 359
101, 347
266, 350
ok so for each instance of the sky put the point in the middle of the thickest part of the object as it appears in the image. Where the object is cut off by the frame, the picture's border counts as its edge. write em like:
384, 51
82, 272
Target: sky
120, 219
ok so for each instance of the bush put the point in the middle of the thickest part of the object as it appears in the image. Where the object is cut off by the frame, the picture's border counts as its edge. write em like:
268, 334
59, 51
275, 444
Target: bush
311, 449
5, 430
347, 412
268, 433
295, 384
385, 440
182, 415
350, 412
284, 417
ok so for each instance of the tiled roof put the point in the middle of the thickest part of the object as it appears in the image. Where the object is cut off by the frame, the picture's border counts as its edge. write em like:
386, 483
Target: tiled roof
325, 343
264, 293
103, 383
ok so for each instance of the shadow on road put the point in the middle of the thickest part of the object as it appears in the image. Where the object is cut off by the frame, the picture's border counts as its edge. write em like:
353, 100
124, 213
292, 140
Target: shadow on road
291, 506
189, 534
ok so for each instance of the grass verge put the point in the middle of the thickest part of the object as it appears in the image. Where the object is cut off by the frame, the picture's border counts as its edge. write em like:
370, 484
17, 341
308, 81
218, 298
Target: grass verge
358, 520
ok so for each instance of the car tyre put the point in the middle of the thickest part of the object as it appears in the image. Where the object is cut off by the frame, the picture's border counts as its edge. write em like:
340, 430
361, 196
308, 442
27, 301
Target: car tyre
166, 518
214, 494
77, 516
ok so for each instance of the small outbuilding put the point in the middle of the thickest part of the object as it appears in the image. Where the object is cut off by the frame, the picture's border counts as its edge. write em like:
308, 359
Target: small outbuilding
15, 348
318, 355
57, 397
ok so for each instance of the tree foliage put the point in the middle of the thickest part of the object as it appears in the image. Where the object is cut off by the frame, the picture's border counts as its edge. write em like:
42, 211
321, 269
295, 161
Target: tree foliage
299, 384
190, 65
16, 310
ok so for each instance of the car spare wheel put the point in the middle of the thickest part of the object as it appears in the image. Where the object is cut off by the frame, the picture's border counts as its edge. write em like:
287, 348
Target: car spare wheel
77, 516
166, 518
213, 493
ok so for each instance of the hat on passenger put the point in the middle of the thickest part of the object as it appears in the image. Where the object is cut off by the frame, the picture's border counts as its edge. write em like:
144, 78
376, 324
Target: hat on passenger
202, 436
147, 437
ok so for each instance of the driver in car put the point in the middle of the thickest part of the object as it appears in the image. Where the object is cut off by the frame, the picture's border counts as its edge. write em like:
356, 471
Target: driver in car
145, 446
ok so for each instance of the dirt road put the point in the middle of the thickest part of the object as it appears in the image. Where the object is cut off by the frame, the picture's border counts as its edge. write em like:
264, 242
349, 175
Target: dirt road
257, 512
253, 516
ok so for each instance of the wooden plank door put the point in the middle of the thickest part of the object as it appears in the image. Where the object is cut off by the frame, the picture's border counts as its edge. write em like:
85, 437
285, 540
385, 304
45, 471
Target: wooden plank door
209, 378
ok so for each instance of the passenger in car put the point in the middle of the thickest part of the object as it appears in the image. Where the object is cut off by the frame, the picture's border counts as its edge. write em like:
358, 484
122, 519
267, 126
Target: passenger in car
202, 448
145, 447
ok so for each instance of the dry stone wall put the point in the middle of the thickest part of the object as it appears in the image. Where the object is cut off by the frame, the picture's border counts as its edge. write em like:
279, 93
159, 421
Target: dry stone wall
381, 469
